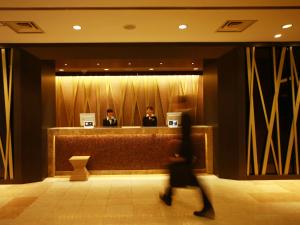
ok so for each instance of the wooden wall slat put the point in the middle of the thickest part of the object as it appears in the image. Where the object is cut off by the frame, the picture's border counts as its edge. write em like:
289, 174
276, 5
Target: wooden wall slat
6, 150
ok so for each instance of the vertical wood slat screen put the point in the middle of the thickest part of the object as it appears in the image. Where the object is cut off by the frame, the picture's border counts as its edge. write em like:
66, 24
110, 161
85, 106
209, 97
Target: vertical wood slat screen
127, 95
6, 163
273, 153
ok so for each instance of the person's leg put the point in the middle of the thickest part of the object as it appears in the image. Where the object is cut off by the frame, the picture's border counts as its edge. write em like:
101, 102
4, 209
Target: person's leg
208, 210
167, 196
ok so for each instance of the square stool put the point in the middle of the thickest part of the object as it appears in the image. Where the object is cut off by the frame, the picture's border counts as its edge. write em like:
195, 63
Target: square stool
80, 173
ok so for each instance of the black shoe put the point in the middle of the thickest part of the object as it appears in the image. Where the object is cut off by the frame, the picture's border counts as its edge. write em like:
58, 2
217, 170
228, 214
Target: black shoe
167, 200
206, 212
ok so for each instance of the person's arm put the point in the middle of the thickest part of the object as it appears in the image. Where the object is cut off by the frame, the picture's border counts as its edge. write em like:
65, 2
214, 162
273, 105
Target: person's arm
104, 122
155, 121
144, 120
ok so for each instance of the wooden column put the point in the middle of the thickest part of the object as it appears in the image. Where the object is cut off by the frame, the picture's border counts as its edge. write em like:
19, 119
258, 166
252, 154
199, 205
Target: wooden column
232, 118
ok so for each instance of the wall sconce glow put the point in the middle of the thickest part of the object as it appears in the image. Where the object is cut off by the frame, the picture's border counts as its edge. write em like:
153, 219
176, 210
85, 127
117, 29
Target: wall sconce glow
160, 63
182, 26
287, 26
277, 35
106, 69
196, 68
61, 70
129, 63
193, 63
66, 64
98, 64
77, 27
151, 69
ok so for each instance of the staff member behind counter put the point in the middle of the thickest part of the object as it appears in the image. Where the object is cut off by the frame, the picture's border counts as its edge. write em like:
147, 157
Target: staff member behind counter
110, 120
150, 119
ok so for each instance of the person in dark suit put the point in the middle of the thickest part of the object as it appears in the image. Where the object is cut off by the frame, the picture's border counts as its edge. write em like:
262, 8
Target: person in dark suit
150, 120
181, 166
110, 120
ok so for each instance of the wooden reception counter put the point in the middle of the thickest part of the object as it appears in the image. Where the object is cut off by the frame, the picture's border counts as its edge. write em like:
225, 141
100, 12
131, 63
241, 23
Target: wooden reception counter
118, 150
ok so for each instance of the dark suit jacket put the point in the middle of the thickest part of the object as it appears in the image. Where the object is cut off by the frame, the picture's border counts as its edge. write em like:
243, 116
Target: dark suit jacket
181, 173
150, 121
106, 123
186, 147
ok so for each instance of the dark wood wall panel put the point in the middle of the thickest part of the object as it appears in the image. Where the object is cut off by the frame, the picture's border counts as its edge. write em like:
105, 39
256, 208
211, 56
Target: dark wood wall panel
48, 108
27, 118
232, 118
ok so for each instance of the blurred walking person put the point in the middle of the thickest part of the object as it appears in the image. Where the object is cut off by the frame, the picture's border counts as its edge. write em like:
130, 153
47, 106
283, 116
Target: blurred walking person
181, 166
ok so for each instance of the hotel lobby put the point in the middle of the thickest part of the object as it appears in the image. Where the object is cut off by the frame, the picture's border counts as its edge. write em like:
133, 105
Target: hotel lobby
78, 80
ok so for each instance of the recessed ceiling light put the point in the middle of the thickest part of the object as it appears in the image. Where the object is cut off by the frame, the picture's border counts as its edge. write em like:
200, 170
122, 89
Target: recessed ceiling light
151, 69
182, 26
77, 27
129, 27
287, 26
61, 70
106, 69
196, 68
277, 35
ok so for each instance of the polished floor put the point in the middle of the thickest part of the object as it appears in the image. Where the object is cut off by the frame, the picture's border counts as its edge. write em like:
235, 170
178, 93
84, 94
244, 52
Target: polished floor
133, 200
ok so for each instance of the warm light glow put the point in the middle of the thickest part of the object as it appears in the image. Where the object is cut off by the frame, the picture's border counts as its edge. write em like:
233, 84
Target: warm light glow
77, 27
277, 35
129, 63
182, 26
193, 63
160, 90
66, 64
196, 68
98, 64
106, 69
287, 26
61, 70
151, 69
160, 63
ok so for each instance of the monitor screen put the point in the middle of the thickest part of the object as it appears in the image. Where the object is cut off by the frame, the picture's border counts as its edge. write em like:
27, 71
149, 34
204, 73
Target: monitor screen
90, 117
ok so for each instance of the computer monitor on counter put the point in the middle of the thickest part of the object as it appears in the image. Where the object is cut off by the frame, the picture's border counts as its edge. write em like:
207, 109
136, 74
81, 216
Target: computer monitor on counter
173, 119
87, 119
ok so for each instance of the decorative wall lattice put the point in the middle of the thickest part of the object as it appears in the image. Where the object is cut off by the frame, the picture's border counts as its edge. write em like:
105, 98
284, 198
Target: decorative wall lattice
6, 163
127, 95
274, 98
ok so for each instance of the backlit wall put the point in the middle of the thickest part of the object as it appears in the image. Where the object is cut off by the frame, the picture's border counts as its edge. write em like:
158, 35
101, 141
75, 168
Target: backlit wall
127, 95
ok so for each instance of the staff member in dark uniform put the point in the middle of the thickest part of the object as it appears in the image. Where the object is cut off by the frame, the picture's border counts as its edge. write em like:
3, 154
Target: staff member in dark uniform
150, 119
110, 120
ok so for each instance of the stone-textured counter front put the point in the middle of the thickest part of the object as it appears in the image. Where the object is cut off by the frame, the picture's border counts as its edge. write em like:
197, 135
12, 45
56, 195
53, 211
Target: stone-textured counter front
125, 149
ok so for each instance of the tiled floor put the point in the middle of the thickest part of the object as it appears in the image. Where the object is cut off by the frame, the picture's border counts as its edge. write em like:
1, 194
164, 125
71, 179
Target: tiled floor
133, 200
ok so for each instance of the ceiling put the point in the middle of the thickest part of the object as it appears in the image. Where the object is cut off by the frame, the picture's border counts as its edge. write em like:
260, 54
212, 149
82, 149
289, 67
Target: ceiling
103, 39
154, 20
128, 57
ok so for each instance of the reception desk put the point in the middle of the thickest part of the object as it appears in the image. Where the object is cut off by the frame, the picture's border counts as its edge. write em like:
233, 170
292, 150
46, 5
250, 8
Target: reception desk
123, 150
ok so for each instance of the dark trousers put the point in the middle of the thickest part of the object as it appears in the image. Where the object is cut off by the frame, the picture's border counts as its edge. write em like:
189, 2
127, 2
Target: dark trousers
182, 175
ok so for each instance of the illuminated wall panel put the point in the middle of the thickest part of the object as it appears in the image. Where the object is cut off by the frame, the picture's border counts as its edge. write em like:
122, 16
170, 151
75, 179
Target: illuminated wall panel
127, 95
